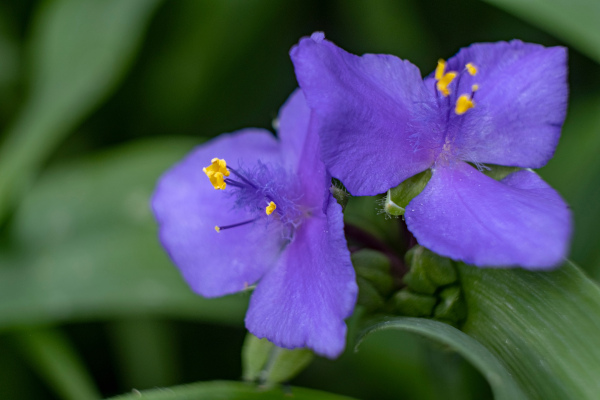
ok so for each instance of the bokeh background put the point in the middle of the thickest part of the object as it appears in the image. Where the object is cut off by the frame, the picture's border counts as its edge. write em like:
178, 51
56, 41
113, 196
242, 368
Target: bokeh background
98, 98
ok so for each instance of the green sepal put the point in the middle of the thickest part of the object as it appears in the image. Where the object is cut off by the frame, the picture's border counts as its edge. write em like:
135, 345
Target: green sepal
428, 271
398, 198
268, 364
452, 306
499, 172
340, 194
411, 304
374, 267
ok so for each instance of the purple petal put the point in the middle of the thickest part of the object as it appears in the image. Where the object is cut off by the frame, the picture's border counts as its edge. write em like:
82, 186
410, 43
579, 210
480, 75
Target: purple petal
369, 108
187, 208
467, 216
520, 105
293, 121
300, 148
303, 301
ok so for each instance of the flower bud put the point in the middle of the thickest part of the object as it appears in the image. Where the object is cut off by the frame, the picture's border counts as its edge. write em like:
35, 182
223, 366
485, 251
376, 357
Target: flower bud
428, 271
373, 278
374, 267
451, 306
499, 172
340, 194
412, 304
398, 198
268, 364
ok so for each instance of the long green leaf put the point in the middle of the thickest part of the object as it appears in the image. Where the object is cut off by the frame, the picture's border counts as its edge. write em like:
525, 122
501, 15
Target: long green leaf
79, 51
502, 383
543, 326
574, 21
231, 391
51, 355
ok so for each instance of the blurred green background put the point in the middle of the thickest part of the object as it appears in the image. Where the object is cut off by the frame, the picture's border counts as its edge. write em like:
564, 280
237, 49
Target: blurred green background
98, 98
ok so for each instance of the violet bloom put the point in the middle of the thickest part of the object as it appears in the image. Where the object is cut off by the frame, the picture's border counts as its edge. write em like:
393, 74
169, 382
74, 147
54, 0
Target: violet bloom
497, 103
247, 208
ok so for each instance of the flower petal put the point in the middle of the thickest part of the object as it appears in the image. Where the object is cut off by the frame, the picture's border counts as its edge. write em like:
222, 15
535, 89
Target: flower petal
292, 128
467, 216
303, 301
300, 148
520, 105
369, 108
187, 208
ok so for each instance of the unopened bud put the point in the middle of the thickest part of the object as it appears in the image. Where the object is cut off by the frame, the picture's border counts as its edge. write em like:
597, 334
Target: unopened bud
340, 193
412, 304
451, 306
374, 267
499, 172
398, 198
428, 271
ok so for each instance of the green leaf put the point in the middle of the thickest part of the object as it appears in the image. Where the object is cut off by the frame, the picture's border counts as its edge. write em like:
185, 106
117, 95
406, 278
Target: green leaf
543, 325
51, 355
88, 248
79, 51
574, 21
502, 383
230, 391
265, 362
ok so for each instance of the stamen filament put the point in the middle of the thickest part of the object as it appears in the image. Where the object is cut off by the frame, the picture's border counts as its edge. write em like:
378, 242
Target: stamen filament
246, 181
220, 228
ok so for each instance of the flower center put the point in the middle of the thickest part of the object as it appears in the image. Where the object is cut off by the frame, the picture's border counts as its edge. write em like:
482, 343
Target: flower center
443, 80
265, 191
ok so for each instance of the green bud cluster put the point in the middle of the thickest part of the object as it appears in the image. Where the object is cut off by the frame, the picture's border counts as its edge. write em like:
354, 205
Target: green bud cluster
432, 289
374, 278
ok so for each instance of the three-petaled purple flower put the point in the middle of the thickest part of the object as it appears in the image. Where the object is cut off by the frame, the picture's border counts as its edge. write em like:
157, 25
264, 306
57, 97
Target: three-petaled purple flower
497, 103
276, 224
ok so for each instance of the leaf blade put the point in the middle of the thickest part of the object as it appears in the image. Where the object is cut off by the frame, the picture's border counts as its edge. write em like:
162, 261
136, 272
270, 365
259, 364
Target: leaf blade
502, 383
543, 325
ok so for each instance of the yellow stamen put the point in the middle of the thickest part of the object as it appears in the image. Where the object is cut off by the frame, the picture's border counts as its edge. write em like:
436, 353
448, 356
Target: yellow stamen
444, 81
270, 208
440, 69
463, 104
471, 68
216, 172
475, 88
217, 229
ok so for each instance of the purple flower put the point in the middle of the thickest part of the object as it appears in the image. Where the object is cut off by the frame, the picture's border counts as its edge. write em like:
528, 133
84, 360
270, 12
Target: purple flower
249, 209
498, 103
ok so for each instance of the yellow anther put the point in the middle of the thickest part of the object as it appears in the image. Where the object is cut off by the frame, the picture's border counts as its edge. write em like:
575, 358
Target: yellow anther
463, 104
440, 69
444, 81
471, 68
475, 88
217, 229
216, 172
270, 208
